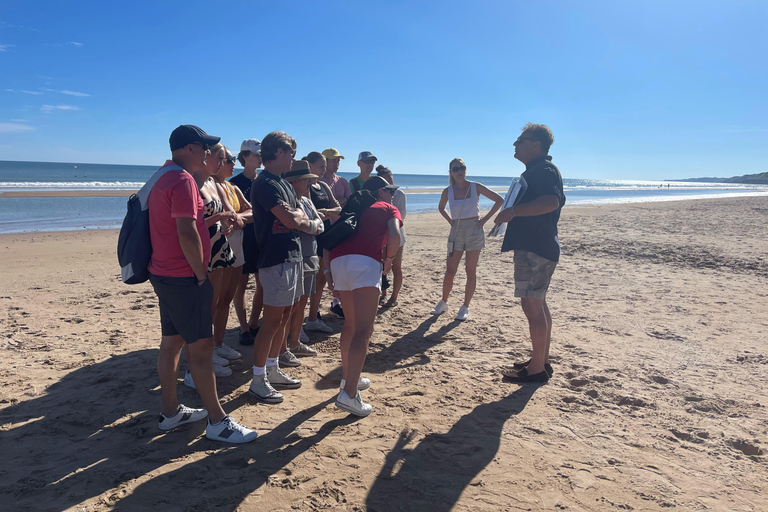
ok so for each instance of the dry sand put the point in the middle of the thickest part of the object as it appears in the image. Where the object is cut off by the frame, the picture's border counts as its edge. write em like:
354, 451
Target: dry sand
658, 399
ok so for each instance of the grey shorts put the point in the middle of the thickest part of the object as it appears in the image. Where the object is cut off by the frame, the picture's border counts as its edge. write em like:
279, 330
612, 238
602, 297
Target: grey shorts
310, 282
466, 236
185, 307
282, 283
532, 274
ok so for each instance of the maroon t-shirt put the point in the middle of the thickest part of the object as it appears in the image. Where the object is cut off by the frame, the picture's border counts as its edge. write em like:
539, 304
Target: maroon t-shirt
175, 195
371, 235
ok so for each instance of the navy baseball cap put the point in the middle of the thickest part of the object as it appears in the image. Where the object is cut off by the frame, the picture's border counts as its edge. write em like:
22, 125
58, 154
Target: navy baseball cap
189, 134
374, 183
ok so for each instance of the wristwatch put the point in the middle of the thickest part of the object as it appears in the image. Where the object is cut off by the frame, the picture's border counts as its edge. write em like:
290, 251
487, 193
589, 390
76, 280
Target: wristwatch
326, 271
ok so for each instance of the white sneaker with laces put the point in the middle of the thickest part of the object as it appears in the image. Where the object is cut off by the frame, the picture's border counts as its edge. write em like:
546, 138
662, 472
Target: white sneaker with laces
441, 308
261, 389
463, 313
220, 360
229, 431
317, 325
354, 405
303, 336
362, 383
221, 371
288, 359
184, 416
303, 351
227, 352
278, 379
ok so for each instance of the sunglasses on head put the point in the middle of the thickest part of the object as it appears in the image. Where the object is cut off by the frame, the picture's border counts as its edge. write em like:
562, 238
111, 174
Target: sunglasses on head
459, 168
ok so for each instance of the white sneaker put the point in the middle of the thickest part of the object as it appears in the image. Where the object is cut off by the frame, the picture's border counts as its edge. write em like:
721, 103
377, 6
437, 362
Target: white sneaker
441, 308
354, 406
303, 351
278, 379
303, 336
221, 371
463, 313
288, 360
229, 431
317, 325
188, 380
261, 389
220, 360
184, 416
226, 352
362, 383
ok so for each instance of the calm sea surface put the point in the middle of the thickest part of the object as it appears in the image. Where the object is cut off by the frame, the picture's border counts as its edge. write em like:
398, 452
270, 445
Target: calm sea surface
19, 215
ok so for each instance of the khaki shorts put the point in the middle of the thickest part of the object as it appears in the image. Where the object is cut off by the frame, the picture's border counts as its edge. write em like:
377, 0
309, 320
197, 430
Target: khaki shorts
532, 274
466, 236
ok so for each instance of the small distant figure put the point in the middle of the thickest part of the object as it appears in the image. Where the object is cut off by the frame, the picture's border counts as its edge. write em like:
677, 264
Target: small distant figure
532, 234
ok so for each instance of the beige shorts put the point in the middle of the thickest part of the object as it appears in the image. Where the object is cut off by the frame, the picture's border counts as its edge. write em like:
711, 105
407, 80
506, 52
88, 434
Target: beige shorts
466, 236
532, 274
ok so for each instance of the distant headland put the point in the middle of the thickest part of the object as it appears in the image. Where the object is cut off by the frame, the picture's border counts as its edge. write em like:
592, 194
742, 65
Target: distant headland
752, 179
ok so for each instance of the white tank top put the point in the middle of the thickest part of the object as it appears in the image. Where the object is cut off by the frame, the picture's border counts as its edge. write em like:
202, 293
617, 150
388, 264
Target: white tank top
464, 208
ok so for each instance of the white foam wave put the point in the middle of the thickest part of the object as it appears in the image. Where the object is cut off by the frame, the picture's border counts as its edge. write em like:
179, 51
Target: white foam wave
70, 185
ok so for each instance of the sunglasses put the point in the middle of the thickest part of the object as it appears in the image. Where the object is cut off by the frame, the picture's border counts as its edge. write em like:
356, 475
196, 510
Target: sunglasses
459, 169
230, 160
202, 145
521, 138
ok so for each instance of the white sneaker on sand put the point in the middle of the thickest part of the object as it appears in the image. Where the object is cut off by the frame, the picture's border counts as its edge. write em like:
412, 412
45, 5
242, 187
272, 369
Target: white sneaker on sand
362, 383
278, 379
261, 389
463, 313
184, 416
226, 352
303, 351
317, 325
220, 360
441, 308
229, 431
221, 371
288, 360
354, 405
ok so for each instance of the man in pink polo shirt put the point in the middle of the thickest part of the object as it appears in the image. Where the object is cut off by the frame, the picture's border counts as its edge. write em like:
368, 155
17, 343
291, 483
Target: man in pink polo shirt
181, 249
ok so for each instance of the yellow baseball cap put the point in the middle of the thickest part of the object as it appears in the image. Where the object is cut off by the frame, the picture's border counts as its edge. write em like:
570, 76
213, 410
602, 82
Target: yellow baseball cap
332, 153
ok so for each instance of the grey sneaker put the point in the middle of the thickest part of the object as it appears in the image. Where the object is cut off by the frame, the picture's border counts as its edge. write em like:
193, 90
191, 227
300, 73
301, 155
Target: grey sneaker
262, 391
280, 380
220, 360
362, 383
303, 351
354, 405
184, 416
317, 325
288, 360
229, 431
227, 352
221, 371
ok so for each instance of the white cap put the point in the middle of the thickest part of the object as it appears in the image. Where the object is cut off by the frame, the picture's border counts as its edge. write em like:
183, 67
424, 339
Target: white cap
252, 145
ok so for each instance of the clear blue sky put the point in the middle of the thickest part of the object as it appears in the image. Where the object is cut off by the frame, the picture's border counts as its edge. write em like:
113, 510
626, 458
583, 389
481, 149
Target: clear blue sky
631, 90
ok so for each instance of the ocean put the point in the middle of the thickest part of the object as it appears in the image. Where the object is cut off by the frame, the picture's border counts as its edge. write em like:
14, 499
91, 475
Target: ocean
31, 214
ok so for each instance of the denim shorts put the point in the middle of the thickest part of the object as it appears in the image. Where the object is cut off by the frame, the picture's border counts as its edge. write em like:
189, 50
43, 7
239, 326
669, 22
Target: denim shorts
283, 284
532, 274
185, 307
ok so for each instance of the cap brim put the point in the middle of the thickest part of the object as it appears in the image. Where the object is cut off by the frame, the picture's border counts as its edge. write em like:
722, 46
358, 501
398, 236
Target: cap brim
211, 140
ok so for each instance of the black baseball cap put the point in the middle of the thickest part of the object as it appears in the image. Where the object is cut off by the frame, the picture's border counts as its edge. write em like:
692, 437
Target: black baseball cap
188, 134
375, 183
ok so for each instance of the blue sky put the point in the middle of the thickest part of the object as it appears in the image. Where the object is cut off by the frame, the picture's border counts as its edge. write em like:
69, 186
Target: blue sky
631, 90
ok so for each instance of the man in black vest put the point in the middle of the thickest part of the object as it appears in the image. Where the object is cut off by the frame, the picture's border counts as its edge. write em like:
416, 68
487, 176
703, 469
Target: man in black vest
532, 234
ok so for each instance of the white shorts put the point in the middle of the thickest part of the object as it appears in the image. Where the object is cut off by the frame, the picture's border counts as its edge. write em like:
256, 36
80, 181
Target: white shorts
355, 271
236, 243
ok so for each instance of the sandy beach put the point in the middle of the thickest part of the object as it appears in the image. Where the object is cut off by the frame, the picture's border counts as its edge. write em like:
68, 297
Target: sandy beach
658, 400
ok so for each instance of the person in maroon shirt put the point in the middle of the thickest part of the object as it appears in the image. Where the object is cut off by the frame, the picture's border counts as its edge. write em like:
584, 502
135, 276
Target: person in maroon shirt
353, 268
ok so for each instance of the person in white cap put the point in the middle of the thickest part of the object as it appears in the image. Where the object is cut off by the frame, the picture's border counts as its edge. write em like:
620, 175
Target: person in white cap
365, 161
250, 158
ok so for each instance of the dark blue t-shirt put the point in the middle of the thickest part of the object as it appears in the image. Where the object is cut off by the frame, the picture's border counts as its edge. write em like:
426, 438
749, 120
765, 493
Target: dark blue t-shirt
250, 247
277, 243
538, 234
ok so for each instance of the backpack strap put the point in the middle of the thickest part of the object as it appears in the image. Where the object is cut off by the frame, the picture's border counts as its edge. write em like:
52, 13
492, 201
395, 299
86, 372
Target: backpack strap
143, 193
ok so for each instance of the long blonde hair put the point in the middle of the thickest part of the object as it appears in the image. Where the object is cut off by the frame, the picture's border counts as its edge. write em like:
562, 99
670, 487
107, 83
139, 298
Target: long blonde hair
451, 180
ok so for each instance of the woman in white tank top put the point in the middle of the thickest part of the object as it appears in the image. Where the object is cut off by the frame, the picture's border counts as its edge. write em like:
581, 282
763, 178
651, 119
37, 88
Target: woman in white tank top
466, 234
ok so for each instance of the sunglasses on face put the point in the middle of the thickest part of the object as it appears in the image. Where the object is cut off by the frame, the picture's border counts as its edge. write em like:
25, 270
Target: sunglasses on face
459, 168
521, 138
202, 145
230, 160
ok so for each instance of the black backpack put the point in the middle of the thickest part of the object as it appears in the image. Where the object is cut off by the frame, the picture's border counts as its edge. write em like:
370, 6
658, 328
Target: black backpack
134, 247
349, 219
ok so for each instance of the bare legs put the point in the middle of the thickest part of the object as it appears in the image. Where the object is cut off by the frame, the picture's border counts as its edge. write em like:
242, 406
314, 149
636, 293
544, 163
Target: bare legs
269, 339
360, 313
239, 301
540, 327
397, 272
199, 357
314, 300
452, 266
297, 318
224, 289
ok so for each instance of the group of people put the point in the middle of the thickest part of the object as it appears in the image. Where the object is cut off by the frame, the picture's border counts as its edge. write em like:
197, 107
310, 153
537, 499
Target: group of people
211, 230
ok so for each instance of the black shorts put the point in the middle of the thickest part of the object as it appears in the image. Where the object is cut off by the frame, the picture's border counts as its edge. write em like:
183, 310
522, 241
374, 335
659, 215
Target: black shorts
185, 307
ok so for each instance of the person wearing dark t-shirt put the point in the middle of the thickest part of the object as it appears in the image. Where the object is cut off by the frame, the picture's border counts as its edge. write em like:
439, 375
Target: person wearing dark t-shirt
365, 161
250, 158
353, 268
532, 234
276, 216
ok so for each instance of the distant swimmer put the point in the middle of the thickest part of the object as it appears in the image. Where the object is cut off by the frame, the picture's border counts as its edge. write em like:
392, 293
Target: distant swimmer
532, 234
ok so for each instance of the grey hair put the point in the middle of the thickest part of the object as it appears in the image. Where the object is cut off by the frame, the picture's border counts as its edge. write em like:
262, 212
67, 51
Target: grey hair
540, 133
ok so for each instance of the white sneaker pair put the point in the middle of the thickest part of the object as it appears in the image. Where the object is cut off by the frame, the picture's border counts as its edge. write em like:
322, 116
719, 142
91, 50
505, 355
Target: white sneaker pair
442, 307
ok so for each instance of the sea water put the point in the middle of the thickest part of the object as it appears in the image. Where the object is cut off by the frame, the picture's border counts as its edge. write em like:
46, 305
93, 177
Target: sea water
29, 214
